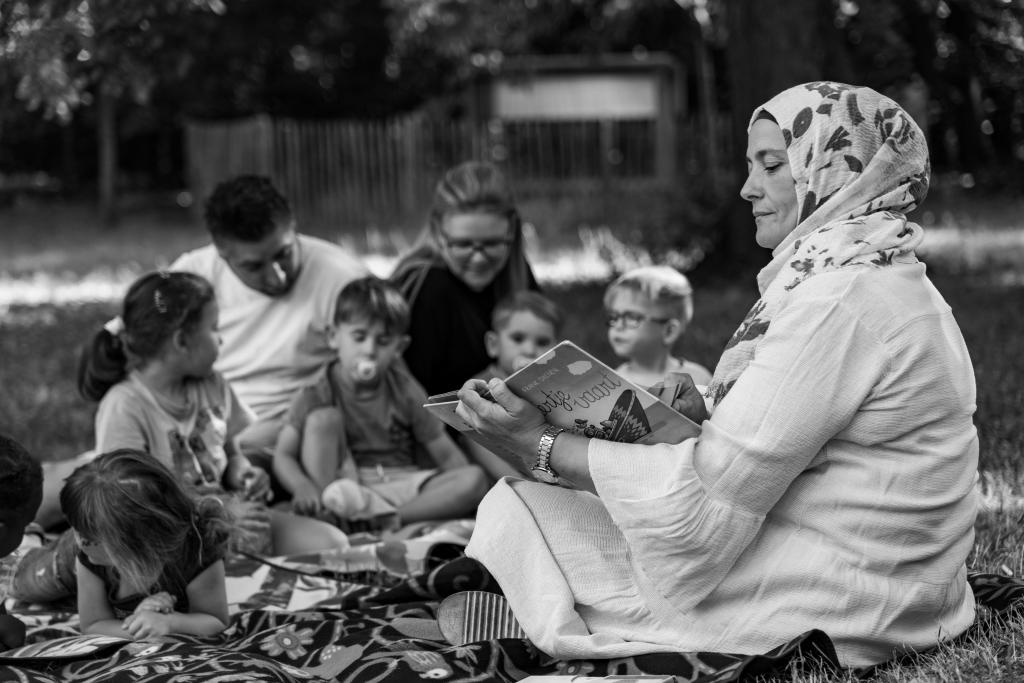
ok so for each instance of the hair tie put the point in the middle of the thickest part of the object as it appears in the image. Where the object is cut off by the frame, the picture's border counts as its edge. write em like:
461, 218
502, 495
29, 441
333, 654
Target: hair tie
115, 326
160, 301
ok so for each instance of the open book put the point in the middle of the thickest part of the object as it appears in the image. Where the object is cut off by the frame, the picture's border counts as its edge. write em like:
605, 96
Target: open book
576, 391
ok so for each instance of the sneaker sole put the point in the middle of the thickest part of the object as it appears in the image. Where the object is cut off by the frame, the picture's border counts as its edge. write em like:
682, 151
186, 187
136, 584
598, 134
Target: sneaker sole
472, 616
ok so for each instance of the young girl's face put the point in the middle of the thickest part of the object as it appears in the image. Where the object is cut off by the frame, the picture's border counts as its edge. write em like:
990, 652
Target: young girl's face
203, 343
365, 350
636, 327
522, 339
94, 550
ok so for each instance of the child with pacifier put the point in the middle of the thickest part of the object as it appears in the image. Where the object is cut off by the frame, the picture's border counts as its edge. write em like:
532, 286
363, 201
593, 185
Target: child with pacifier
350, 440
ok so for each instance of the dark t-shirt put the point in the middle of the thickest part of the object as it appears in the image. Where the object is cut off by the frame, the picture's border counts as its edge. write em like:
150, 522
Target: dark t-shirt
447, 330
195, 560
384, 428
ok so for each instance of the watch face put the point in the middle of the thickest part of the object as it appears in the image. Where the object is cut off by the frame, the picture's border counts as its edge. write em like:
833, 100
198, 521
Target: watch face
545, 476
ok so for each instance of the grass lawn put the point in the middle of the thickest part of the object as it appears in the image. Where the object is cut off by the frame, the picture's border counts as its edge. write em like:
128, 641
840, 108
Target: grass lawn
40, 406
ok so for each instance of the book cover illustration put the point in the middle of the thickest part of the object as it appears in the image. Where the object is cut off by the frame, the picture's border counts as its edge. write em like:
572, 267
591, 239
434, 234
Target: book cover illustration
575, 390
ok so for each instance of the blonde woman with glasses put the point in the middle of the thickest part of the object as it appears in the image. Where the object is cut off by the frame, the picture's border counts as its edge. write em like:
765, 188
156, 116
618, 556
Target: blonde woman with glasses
468, 257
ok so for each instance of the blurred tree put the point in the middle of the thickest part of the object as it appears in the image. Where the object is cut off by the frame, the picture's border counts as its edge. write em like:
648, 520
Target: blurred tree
142, 65
439, 45
957, 65
74, 53
969, 57
311, 59
767, 54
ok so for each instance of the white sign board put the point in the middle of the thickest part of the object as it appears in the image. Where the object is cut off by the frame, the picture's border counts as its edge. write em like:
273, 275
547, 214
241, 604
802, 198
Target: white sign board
577, 96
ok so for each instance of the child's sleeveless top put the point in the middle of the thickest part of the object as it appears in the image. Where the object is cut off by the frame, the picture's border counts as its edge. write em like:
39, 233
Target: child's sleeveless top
195, 558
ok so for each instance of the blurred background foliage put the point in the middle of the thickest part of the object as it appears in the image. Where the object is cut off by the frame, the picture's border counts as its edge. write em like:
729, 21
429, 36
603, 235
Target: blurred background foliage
94, 93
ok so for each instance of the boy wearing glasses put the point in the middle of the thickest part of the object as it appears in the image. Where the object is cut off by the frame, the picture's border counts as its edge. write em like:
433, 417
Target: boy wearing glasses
649, 309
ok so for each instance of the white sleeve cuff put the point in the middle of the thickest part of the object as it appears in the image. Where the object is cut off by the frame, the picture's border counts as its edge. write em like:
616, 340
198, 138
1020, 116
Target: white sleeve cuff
682, 539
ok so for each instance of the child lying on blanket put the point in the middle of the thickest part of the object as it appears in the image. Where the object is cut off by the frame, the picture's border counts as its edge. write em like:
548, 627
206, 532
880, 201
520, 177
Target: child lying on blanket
150, 559
21, 490
350, 438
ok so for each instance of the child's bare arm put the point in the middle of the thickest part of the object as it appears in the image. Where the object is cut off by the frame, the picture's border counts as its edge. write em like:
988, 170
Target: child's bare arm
289, 471
242, 475
446, 453
95, 615
207, 615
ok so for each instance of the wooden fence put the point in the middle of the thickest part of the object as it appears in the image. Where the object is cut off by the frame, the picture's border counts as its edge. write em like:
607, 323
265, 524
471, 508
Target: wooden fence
343, 176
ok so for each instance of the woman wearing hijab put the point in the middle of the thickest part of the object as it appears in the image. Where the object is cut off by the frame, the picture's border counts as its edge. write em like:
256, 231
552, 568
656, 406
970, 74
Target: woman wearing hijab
468, 257
832, 487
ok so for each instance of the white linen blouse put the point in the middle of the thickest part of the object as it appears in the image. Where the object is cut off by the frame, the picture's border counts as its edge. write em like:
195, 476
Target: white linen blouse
833, 488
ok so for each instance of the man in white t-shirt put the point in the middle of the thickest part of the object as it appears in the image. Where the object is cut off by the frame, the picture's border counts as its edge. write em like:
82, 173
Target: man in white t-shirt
276, 291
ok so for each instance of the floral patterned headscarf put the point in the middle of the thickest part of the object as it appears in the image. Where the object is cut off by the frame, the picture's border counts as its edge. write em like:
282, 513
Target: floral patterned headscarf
859, 163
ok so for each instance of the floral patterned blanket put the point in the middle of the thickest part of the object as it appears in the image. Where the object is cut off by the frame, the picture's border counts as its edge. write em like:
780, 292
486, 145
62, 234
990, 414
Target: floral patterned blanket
313, 618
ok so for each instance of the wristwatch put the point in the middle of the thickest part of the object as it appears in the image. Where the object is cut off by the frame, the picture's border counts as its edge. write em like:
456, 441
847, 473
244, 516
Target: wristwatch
542, 468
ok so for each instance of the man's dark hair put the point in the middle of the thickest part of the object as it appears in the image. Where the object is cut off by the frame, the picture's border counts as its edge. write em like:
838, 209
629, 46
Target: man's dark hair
21, 476
246, 208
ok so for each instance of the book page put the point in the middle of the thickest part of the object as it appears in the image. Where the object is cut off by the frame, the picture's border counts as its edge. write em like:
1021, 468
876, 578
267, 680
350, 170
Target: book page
575, 390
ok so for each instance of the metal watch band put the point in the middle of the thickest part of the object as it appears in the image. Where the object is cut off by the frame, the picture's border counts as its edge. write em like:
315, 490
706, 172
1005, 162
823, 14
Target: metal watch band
542, 468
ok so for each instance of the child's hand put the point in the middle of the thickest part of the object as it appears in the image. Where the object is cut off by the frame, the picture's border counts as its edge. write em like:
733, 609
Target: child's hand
162, 602
306, 499
253, 482
252, 517
256, 484
147, 624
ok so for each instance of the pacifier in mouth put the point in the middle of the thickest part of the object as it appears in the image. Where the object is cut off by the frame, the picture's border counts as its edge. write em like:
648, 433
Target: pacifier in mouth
279, 273
366, 370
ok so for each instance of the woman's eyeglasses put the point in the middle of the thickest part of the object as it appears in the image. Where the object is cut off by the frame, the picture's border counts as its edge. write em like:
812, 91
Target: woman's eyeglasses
631, 320
464, 248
